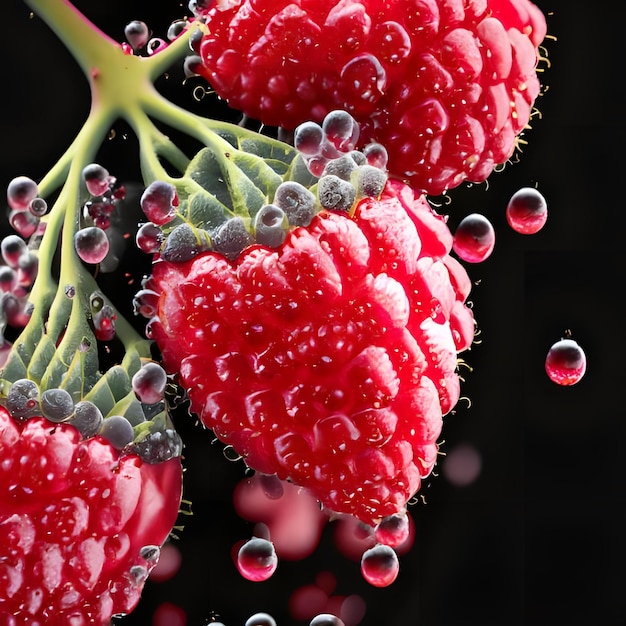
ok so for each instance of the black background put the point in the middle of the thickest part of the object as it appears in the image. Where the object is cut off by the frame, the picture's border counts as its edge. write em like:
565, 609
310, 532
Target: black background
538, 539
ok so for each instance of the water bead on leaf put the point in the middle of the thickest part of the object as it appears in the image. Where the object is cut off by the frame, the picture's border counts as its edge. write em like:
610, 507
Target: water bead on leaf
270, 226
260, 619
149, 383
326, 619
149, 238
257, 559
137, 34
296, 201
92, 244
8, 279
97, 179
159, 202
87, 418
57, 405
380, 566
20, 191
341, 130
474, 238
308, 138
566, 362
336, 194
118, 431
527, 211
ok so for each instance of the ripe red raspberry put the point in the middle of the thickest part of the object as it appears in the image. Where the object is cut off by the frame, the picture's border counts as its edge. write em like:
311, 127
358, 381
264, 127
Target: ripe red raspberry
331, 359
445, 85
81, 524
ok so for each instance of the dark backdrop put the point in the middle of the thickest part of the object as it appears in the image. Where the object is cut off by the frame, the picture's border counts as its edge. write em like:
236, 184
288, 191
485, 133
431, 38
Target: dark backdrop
538, 538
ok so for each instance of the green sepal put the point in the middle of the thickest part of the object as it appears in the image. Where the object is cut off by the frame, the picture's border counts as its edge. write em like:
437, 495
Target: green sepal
112, 387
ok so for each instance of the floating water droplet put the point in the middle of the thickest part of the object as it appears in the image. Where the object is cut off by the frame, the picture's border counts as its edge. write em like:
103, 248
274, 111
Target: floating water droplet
380, 565
92, 244
260, 619
137, 34
97, 179
149, 383
527, 211
566, 362
257, 559
159, 202
326, 619
308, 138
474, 238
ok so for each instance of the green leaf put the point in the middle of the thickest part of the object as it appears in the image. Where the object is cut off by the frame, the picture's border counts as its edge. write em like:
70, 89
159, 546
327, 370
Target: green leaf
204, 211
110, 389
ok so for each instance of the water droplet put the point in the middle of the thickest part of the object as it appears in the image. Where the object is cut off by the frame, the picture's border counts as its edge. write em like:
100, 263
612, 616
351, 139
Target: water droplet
20, 192
474, 238
380, 565
260, 619
566, 362
92, 244
393, 530
326, 619
527, 211
257, 559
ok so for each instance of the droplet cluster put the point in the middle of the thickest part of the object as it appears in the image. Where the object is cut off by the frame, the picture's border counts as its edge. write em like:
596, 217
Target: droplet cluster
346, 176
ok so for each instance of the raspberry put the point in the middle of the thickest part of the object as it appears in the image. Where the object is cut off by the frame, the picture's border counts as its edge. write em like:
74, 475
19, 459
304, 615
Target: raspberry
331, 359
76, 519
446, 86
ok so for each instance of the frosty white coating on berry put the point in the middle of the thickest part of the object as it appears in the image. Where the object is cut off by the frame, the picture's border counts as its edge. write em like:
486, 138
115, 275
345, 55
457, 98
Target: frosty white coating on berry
20, 191
336, 194
23, 399
184, 243
342, 167
270, 226
87, 418
92, 244
57, 405
118, 431
231, 238
296, 201
137, 34
369, 181
97, 179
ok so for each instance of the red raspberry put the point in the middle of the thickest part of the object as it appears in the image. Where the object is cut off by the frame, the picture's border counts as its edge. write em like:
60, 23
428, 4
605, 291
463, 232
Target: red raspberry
80, 524
445, 85
330, 360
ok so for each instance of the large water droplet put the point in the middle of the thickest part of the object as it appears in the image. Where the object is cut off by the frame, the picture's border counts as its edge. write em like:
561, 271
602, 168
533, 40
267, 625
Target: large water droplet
380, 566
474, 238
566, 362
393, 530
527, 211
257, 559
